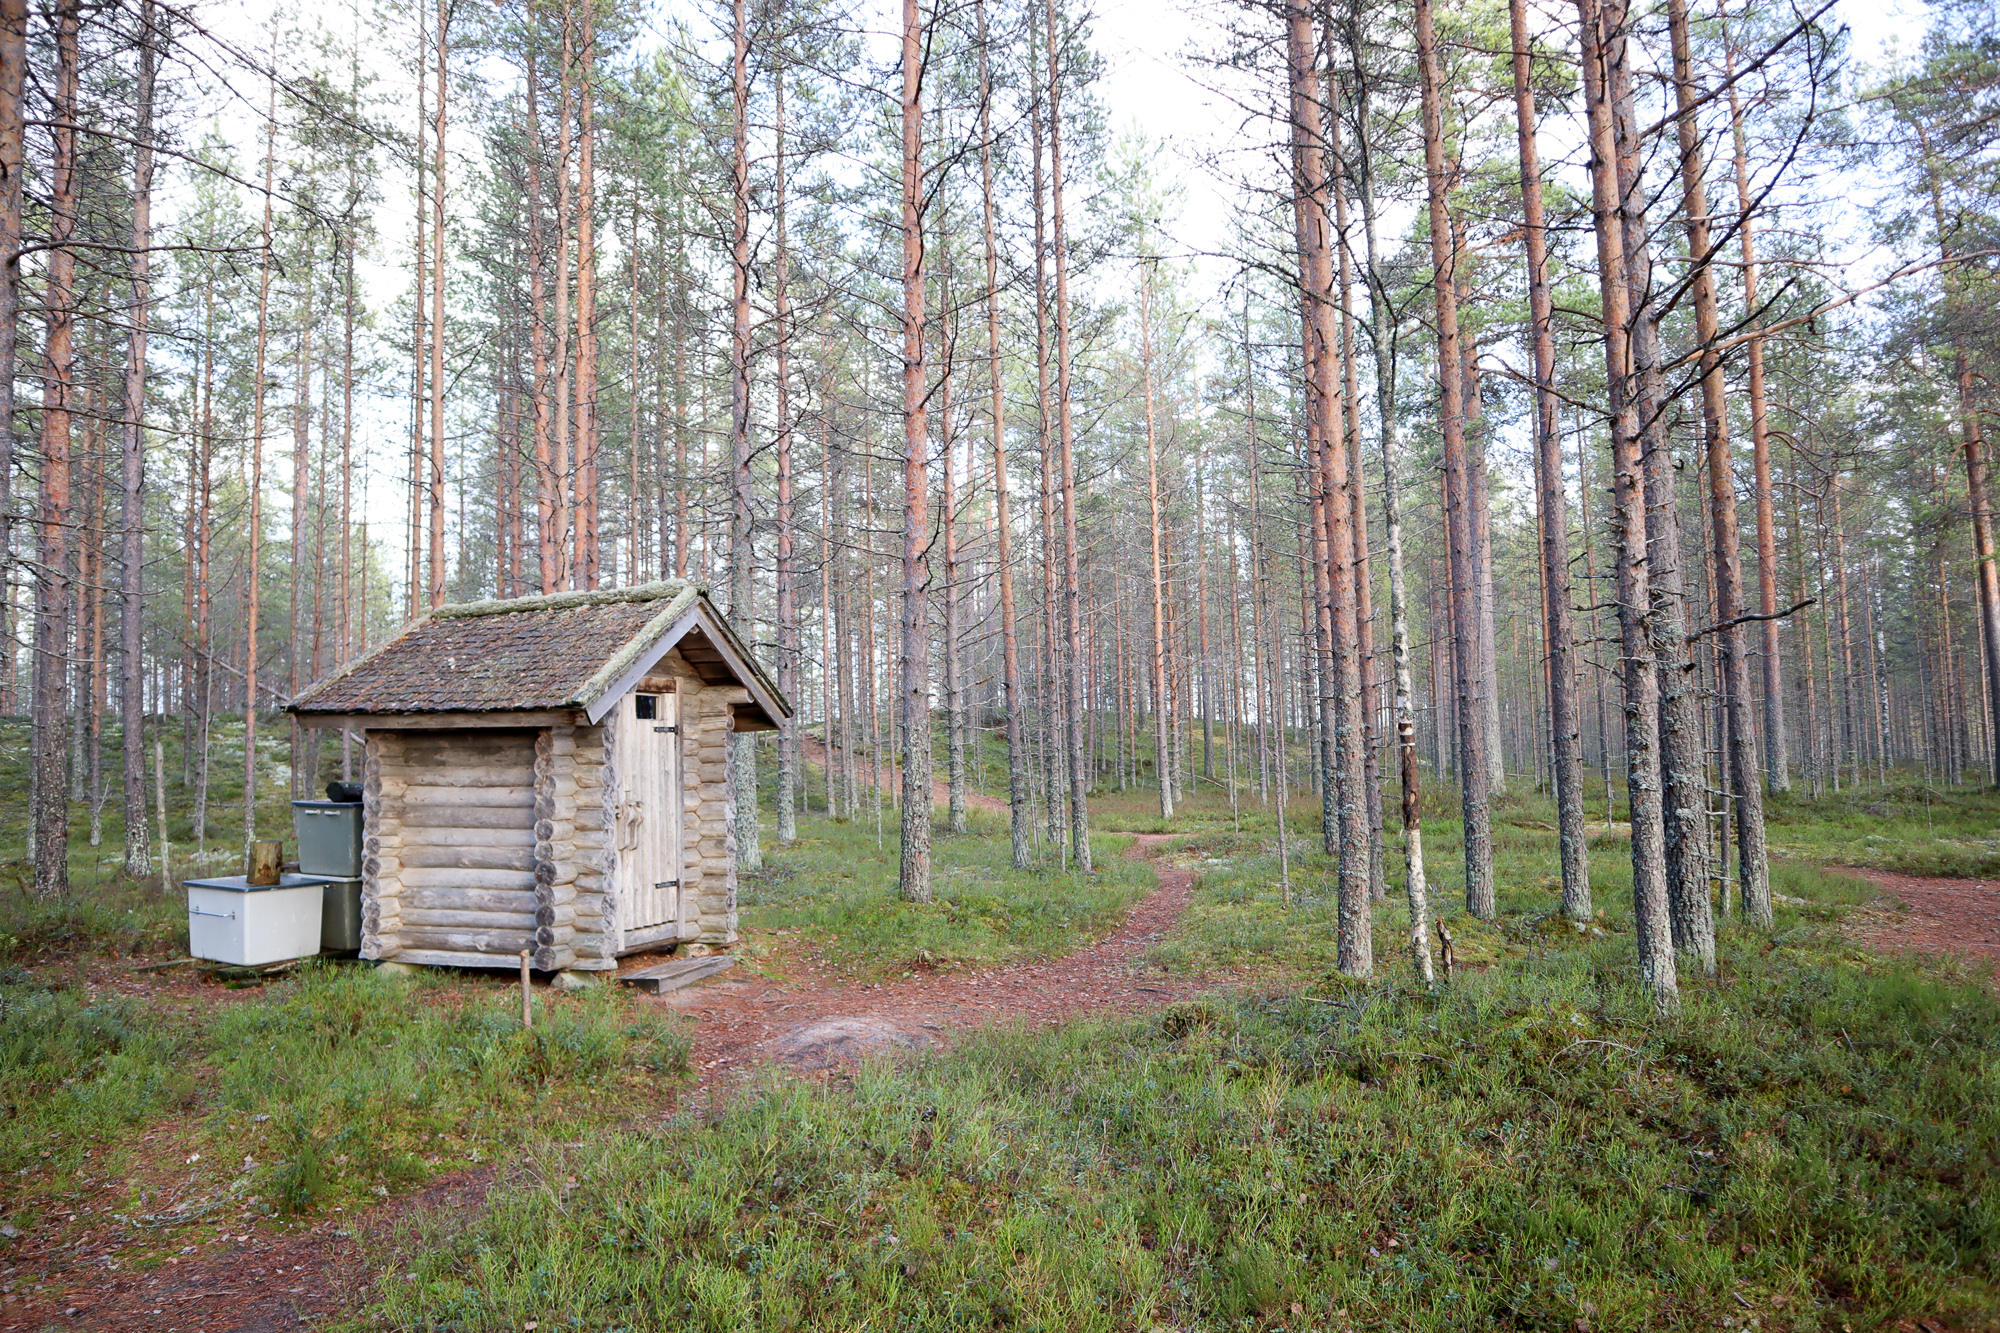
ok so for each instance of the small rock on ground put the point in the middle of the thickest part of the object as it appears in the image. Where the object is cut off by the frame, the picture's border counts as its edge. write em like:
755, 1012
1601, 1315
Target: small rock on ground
838, 1041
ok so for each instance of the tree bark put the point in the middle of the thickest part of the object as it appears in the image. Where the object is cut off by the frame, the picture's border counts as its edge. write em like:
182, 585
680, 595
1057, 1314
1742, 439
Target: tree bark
548, 480
1682, 762
253, 577
589, 554
435, 489
1565, 724
1777, 741
1356, 955
1159, 660
132, 516
1654, 929
1364, 579
53, 590
1742, 757
1474, 776
1020, 819
742, 749
787, 601
1079, 771
13, 78
914, 881
1382, 336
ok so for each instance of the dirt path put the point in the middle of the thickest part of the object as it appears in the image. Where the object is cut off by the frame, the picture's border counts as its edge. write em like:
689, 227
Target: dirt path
1946, 915
940, 789
264, 1283
743, 1023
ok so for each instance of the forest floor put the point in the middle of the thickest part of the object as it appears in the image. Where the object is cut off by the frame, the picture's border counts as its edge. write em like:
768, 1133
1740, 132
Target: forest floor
802, 1014
1936, 916
1035, 1000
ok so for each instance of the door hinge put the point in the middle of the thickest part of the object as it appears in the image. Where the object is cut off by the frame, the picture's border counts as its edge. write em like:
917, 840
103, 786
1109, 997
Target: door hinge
670, 730
667, 884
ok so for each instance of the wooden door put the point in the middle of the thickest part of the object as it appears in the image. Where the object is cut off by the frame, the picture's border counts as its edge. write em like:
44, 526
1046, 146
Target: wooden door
649, 811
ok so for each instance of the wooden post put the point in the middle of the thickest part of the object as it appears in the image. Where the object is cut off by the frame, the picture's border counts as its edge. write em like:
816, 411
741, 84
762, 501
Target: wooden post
527, 994
266, 859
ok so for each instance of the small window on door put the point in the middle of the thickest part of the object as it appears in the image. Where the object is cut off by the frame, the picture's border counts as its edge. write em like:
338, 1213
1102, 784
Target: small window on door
646, 706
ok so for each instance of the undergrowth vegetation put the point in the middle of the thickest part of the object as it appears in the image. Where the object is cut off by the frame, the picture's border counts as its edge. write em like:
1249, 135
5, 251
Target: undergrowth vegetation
1809, 1144
837, 885
325, 1091
1910, 826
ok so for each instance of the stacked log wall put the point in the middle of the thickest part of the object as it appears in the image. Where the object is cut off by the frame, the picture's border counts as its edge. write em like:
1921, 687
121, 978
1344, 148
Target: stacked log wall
451, 869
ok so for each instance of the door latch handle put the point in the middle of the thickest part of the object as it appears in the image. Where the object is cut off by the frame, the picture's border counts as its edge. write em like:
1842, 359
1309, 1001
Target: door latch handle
672, 730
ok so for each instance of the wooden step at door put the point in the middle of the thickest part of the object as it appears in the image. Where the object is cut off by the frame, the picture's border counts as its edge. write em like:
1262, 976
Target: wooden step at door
678, 972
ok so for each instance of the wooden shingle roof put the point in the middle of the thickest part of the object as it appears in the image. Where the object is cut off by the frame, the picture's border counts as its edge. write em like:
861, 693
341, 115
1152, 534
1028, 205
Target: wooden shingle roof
565, 650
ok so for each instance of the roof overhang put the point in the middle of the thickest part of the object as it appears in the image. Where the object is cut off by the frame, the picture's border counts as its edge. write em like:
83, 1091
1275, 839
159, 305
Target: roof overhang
767, 708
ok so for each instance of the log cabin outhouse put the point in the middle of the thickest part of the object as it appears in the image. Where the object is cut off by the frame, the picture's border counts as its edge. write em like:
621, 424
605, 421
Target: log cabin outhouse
549, 773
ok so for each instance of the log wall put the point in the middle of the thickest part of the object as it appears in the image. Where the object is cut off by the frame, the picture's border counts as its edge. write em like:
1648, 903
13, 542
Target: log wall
484, 842
449, 857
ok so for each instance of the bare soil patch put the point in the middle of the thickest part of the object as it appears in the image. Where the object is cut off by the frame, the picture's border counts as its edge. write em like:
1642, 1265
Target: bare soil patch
1960, 916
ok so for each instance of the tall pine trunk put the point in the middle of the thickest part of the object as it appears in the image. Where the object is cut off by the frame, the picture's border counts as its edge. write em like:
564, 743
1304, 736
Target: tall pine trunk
132, 515
54, 587
1020, 819
742, 749
13, 78
1382, 336
1072, 593
434, 489
1640, 666
1356, 956
1474, 775
787, 601
253, 576
914, 880
1159, 659
1683, 764
1565, 723
1741, 730
1777, 742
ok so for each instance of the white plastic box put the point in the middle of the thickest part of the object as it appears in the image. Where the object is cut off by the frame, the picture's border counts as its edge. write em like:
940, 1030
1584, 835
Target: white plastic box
233, 921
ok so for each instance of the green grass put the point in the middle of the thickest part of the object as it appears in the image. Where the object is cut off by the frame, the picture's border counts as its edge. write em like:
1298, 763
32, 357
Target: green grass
837, 886
1908, 826
1811, 1144
320, 1093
